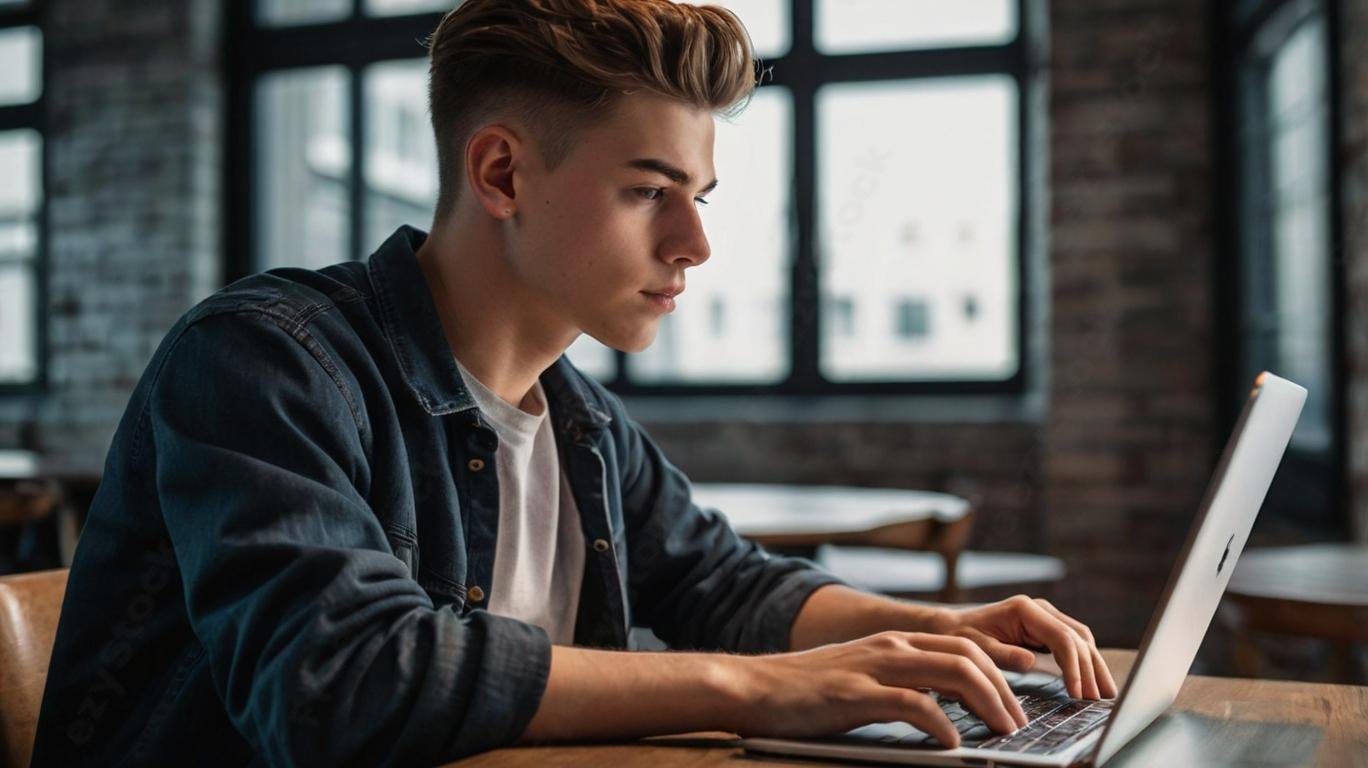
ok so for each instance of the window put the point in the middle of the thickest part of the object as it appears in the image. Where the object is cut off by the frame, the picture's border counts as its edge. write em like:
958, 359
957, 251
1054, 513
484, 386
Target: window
22, 204
880, 159
331, 121
1283, 307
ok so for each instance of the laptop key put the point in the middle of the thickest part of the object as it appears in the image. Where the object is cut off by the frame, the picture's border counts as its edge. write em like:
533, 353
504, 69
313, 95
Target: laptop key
975, 735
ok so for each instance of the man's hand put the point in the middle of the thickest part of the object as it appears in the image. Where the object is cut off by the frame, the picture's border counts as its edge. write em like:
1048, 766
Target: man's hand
841, 681
597, 694
834, 688
1005, 630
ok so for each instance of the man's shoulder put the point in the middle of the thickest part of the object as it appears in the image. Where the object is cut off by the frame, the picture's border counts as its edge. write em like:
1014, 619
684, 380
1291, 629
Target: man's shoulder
271, 321
289, 295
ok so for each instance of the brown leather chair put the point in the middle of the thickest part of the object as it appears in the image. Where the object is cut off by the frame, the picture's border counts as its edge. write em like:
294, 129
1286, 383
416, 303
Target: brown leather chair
29, 606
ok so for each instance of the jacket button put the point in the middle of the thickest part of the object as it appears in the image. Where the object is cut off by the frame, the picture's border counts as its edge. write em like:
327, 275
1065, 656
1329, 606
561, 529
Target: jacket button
475, 465
600, 545
475, 594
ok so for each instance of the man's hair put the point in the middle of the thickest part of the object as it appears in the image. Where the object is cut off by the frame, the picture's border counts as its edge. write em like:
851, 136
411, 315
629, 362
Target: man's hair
559, 66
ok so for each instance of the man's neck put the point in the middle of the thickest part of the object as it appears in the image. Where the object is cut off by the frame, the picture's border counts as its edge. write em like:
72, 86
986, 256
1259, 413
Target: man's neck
500, 333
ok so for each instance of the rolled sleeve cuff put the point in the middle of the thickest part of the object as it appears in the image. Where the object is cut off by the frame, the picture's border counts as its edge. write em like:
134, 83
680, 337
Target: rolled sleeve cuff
509, 685
773, 624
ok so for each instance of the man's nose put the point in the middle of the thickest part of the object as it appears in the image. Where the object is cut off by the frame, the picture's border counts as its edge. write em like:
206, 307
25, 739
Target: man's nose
689, 245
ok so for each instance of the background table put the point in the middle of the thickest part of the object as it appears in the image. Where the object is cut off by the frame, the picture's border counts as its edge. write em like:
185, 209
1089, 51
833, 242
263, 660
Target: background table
807, 516
798, 519
1215, 722
1316, 590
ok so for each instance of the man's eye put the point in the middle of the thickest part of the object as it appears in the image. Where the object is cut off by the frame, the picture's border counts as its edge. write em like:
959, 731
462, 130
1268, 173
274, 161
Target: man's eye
656, 193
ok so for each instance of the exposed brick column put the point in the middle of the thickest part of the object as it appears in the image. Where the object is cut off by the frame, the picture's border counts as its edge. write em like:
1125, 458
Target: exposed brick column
1353, 153
1128, 440
135, 135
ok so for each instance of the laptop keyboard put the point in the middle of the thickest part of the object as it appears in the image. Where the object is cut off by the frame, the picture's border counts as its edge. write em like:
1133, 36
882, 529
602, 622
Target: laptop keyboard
1053, 725
1056, 722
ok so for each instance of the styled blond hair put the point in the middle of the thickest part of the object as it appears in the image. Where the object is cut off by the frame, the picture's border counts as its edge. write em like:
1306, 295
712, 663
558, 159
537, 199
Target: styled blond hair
560, 66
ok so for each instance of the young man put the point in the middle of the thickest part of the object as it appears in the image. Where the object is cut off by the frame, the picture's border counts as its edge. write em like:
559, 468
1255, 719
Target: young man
370, 514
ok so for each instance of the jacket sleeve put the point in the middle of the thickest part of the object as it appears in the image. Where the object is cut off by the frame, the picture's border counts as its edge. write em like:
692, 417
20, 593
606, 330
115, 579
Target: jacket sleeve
322, 647
692, 579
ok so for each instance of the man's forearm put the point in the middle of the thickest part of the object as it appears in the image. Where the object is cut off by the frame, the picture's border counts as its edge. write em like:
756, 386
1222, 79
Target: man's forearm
596, 694
835, 613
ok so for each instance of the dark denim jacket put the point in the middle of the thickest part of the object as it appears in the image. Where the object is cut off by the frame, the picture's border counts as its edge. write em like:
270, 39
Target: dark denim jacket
280, 564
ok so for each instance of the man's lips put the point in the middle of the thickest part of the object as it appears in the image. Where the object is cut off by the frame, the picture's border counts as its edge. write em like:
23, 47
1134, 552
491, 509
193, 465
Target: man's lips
663, 299
669, 291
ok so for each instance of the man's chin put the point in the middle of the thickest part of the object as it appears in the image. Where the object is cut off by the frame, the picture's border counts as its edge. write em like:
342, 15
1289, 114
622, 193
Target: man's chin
629, 343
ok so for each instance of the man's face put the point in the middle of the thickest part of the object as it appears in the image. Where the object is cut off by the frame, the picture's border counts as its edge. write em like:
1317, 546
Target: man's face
600, 237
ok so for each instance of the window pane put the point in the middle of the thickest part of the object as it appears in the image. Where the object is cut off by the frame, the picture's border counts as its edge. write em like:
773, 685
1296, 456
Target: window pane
863, 26
1299, 181
21, 65
401, 156
303, 160
732, 323
917, 223
397, 7
593, 358
21, 165
767, 21
283, 12
21, 155
18, 359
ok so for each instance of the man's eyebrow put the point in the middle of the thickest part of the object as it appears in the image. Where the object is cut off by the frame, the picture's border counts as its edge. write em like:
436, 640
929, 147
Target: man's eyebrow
663, 168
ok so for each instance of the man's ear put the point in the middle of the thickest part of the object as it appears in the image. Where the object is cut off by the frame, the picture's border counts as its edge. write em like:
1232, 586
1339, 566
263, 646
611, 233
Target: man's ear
492, 156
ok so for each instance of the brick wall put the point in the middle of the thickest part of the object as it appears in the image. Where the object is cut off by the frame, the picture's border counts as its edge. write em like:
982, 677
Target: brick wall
1128, 442
135, 137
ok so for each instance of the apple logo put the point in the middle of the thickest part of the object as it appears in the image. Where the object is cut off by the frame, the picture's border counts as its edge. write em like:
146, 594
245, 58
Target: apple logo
1224, 555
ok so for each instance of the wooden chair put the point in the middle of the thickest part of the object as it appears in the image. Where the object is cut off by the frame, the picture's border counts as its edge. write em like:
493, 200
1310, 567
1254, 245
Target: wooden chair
29, 606
25, 504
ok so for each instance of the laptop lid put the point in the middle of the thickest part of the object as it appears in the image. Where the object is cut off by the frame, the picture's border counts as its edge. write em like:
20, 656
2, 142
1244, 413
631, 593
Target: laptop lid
1202, 571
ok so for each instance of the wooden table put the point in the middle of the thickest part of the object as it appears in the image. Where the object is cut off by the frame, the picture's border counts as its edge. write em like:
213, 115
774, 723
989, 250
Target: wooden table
797, 519
1215, 722
809, 516
1316, 590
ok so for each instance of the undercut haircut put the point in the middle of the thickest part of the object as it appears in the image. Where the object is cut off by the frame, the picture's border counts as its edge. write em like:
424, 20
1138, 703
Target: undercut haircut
560, 66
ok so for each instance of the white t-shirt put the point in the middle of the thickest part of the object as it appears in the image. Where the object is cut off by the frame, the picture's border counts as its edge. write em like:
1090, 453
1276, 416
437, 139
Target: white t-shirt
539, 552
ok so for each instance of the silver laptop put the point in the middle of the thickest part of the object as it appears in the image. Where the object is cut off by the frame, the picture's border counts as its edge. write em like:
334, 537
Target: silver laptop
1067, 732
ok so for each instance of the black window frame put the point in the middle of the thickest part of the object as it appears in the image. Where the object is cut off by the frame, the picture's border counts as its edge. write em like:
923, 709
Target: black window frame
358, 41
33, 116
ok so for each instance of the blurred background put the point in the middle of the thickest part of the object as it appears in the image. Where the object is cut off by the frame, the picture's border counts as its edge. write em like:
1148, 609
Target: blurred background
1030, 253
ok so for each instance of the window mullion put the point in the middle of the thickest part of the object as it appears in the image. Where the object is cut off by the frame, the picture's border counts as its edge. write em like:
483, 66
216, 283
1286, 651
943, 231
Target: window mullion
357, 190
804, 312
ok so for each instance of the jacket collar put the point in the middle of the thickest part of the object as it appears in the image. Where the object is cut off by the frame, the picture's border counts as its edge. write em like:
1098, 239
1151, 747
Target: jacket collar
410, 321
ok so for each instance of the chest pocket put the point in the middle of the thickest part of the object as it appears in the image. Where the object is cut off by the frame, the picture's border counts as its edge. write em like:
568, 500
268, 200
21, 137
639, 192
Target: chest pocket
442, 590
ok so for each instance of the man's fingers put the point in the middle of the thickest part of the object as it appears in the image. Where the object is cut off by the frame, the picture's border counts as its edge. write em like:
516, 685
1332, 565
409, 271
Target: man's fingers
1061, 640
969, 649
1005, 655
1085, 665
1106, 684
893, 704
1073, 623
962, 679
